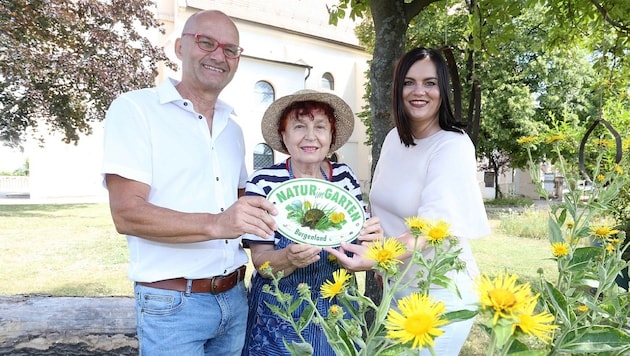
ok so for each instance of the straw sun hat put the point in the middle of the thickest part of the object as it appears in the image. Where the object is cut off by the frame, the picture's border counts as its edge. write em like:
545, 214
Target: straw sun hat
344, 117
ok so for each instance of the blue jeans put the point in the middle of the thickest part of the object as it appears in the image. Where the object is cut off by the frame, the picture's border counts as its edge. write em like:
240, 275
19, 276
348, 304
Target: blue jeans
172, 323
455, 334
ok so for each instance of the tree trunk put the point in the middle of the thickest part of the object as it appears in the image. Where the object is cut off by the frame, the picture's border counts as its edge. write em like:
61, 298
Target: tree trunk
42, 325
391, 19
390, 29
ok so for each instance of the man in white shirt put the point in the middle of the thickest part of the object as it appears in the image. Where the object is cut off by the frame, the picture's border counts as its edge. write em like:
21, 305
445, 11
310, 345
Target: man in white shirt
174, 168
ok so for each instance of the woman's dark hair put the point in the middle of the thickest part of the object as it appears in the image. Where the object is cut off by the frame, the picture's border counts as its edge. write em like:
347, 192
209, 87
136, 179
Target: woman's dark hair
446, 119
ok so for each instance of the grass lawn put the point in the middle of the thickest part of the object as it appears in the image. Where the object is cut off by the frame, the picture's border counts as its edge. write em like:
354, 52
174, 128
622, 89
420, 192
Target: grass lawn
74, 250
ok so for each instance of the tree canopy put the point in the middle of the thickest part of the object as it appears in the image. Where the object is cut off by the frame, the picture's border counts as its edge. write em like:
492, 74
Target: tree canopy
63, 62
525, 67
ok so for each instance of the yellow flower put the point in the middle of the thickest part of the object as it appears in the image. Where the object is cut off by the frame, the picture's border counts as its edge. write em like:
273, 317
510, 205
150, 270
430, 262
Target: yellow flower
340, 281
332, 258
385, 252
335, 310
603, 143
600, 177
554, 138
503, 295
582, 308
573, 241
264, 267
618, 169
570, 224
602, 231
307, 204
337, 217
436, 233
527, 139
415, 224
537, 325
610, 248
560, 249
417, 322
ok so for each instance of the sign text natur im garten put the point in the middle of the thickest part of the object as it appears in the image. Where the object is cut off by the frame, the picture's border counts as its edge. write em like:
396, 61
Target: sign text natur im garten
316, 212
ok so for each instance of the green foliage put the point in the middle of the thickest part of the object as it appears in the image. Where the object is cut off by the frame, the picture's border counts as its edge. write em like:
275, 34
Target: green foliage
620, 204
63, 62
358, 9
591, 311
529, 223
510, 202
534, 60
344, 324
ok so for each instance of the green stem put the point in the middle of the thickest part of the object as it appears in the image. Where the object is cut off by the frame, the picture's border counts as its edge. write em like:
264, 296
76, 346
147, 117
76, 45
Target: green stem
492, 345
506, 349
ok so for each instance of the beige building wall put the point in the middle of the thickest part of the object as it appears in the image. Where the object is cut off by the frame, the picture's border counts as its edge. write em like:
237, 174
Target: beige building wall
288, 44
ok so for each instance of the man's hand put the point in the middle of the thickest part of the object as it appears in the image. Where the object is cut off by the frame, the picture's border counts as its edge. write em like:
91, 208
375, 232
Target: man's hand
248, 214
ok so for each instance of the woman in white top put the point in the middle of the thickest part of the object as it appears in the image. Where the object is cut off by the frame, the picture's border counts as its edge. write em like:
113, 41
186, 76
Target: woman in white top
427, 168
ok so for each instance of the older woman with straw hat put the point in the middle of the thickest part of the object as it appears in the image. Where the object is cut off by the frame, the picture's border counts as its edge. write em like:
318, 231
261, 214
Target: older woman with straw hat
306, 125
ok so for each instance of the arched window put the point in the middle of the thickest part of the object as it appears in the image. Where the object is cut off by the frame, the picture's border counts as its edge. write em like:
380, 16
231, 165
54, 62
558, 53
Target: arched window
263, 156
328, 82
264, 94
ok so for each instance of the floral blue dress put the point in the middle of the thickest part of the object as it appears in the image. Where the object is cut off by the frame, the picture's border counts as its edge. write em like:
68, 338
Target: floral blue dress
266, 332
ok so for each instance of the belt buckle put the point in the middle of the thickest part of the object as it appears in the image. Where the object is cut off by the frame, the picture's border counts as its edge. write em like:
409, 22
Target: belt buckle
213, 285
236, 273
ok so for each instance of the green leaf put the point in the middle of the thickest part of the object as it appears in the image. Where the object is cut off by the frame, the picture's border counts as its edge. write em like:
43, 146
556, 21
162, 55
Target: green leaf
520, 349
557, 301
276, 310
296, 303
596, 339
305, 318
394, 350
299, 348
562, 217
582, 256
555, 233
460, 315
527, 352
339, 340
503, 332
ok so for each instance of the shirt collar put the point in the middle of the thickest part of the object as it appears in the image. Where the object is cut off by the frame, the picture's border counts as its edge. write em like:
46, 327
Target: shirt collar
168, 93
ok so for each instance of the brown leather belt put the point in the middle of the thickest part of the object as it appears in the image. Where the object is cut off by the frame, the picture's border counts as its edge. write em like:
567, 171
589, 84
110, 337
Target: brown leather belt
214, 285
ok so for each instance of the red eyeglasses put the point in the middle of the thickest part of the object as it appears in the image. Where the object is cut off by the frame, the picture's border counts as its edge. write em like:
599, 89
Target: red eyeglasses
209, 44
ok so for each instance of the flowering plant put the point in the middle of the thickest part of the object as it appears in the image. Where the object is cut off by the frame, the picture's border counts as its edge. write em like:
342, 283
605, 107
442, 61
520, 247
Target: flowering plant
590, 309
413, 324
582, 312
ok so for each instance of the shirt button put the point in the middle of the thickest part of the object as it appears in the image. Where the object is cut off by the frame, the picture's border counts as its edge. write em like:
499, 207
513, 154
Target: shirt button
200, 117
226, 242
185, 103
217, 179
222, 209
225, 271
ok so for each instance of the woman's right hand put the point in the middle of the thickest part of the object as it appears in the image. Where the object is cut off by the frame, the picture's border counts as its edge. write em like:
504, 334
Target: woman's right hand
301, 255
371, 231
410, 242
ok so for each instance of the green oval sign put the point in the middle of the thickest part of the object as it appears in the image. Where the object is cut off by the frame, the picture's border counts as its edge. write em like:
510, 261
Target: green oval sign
317, 212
